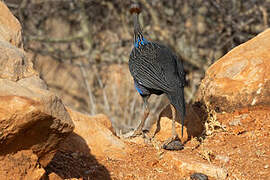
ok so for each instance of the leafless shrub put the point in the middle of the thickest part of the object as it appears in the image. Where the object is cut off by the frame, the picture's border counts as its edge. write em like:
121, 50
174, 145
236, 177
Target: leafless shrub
99, 34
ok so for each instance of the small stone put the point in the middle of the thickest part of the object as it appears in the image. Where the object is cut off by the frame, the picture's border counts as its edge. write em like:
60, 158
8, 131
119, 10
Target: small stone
198, 176
266, 166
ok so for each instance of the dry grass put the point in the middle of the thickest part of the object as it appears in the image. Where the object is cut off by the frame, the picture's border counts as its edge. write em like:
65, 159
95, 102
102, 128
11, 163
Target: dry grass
212, 125
207, 154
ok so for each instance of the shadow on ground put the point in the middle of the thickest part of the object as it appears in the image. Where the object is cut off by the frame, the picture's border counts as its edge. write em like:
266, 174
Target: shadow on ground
74, 160
194, 120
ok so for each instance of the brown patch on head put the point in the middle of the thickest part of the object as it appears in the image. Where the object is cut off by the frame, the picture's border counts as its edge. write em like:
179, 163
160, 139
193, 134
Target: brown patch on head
135, 8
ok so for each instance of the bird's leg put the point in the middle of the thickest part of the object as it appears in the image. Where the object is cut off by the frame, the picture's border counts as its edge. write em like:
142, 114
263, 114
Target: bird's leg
138, 131
173, 143
174, 134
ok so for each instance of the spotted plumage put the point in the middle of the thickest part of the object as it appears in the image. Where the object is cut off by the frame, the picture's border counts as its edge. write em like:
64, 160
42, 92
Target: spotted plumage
156, 70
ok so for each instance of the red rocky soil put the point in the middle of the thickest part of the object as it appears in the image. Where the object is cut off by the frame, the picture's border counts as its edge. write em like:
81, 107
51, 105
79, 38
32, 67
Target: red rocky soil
242, 151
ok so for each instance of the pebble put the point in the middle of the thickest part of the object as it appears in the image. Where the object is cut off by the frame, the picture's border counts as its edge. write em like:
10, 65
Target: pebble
199, 176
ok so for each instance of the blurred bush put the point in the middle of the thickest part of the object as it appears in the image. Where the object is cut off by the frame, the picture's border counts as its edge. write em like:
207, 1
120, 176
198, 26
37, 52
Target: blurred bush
87, 44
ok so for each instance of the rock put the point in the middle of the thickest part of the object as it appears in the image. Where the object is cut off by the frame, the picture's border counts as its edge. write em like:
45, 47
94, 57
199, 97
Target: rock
193, 164
14, 63
33, 82
239, 79
104, 120
90, 134
163, 128
31, 119
10, 28
198, 176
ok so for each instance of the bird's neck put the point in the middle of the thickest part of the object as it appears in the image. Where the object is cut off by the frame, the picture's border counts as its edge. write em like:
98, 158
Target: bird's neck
139, 40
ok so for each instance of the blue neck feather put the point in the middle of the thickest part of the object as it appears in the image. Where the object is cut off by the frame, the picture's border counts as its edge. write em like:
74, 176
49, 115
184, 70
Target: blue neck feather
140, 41
140, 91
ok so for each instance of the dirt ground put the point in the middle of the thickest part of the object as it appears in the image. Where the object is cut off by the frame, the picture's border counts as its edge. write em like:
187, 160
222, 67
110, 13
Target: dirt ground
242, 148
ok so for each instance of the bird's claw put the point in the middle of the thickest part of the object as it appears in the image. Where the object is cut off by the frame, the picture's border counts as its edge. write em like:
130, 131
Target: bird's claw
131, 134
173, 144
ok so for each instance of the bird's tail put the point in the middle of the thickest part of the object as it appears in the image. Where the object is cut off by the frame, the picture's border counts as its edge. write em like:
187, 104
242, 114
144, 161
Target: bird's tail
177, 99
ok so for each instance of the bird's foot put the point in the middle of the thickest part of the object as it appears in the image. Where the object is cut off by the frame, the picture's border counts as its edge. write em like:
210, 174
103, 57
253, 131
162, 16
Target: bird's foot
132, 134
146, 137
136, 133
173, 144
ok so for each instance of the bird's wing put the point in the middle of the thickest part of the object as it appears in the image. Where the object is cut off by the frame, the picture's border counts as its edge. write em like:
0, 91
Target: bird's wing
155, 69
180, 70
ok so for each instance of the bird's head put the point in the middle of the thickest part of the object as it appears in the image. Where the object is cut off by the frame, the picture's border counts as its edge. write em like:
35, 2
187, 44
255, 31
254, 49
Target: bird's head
135, 8
139, 40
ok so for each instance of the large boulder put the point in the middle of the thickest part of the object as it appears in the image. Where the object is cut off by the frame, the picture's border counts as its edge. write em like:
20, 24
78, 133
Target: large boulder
10, 28
95, 130
14, 62
239, 79
33, 121
85, 150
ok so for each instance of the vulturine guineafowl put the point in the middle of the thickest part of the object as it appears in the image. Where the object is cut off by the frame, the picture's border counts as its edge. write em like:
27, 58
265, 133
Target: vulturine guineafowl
157, 70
